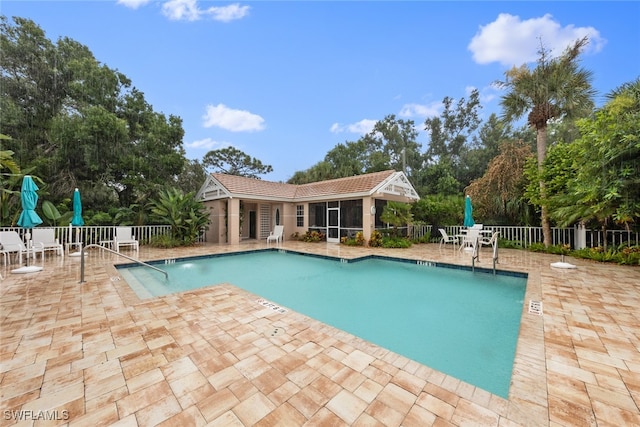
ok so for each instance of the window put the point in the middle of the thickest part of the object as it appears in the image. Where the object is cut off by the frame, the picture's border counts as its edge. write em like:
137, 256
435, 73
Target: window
317, 215
351, 213
300, 216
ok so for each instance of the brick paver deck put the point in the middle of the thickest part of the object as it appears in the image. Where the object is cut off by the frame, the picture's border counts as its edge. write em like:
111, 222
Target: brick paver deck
95, 354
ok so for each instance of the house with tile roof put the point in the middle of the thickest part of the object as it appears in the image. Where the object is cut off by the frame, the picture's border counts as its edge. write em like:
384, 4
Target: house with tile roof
248, 208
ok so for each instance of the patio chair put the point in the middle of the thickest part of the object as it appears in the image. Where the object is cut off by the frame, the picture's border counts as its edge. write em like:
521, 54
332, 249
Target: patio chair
470, 239
276, 235
45, 239
447, 239
10, 242
124, 237
490, 240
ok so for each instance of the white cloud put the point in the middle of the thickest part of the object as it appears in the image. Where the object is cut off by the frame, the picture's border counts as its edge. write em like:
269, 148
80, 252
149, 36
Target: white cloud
133, 4
362, 127
188, 10
420, 110
207, 144
233, 120
512, 41
227, 13
181, 10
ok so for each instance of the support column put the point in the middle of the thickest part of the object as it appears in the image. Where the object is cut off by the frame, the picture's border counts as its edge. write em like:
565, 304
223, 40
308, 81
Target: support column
233, 221
368, 218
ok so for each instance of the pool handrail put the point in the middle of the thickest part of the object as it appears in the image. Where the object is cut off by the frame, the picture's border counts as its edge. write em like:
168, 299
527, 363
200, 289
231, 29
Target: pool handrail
94, 245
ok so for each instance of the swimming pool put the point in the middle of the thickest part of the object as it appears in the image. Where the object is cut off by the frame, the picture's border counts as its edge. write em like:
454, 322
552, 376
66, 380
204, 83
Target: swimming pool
462, 323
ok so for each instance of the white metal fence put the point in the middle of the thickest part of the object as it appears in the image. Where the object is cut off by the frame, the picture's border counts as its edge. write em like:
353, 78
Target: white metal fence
525, 236
96, 234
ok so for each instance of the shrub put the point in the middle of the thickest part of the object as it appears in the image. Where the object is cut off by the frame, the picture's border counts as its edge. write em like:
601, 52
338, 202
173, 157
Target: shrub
375, 241
314, 236
396, 242
353, 241
165, 241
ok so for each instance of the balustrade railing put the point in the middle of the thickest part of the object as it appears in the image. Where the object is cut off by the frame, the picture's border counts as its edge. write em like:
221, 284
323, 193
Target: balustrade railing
525, 236
95, 234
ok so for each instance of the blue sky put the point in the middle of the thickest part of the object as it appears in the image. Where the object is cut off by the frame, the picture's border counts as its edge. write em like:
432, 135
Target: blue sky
285, 81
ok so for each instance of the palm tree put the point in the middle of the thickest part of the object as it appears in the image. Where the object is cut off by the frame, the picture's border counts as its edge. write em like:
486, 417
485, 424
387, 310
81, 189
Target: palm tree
557, 88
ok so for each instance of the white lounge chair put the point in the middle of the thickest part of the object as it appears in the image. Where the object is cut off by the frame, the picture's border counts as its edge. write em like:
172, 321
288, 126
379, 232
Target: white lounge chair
10, 242
45, 239
276, 235
124, 237
446, 238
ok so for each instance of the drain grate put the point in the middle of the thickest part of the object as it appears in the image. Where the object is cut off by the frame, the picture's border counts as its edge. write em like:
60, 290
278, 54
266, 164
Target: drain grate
535, 307
275, 332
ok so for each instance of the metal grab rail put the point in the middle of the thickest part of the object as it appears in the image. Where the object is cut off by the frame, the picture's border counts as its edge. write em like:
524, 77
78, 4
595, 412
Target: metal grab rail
476, 252
93, 245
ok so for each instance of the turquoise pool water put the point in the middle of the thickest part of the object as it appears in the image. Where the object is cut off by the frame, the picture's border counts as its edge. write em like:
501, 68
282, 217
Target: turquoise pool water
462, 323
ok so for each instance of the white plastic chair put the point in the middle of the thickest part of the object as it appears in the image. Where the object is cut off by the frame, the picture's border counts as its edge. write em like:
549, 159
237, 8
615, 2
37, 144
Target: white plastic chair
447, 239
276, 234
470, 239
45, 239
124, 237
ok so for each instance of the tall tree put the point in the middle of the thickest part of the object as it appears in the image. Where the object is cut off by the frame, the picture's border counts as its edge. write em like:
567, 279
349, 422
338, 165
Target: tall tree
79, 123
555, 88
449, 136
451, 131
400, 146
498, 194
600, 172
232, 161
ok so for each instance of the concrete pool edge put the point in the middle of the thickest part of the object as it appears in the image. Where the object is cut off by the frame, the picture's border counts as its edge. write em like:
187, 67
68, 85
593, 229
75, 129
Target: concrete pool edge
427, 263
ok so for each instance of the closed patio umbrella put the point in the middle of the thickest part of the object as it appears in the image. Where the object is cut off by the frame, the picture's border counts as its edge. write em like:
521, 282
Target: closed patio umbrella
28, 217
468, 213
77, 220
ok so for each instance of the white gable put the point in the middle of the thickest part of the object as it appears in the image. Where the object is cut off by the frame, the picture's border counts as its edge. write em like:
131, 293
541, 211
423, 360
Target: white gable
397, 185
212, 190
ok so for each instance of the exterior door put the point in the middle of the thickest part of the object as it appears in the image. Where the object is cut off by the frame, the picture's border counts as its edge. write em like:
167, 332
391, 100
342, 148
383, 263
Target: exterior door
333, 225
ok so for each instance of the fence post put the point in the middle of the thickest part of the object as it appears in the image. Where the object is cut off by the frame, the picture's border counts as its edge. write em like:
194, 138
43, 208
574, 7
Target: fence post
580, 237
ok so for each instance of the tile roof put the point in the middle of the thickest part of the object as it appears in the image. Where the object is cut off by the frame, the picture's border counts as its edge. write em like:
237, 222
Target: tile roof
241, 185
359, 184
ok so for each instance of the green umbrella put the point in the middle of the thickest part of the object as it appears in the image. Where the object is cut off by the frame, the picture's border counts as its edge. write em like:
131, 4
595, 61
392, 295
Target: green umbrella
468, 213
28, 217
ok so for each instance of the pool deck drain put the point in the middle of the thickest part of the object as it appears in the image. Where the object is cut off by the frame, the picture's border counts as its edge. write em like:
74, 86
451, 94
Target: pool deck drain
275, 332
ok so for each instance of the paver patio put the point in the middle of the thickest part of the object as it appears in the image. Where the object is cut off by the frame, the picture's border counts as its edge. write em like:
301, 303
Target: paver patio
95, 354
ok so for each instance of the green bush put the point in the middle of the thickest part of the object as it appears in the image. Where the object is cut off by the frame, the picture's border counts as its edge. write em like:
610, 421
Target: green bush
624, 255
375, 241
313, 237
165, 241
396, 242
355, 241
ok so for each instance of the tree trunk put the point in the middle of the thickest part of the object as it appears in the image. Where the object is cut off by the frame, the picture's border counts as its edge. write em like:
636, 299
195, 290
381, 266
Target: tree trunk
541, 145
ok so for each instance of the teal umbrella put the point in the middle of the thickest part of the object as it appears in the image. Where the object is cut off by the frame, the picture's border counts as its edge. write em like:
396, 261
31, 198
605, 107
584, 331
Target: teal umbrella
77, 220
468, 213
28, 217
